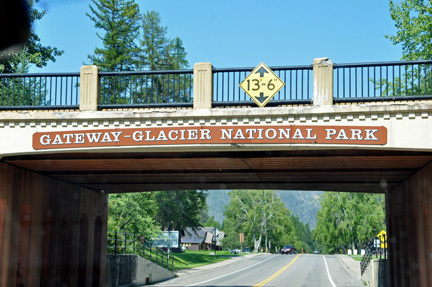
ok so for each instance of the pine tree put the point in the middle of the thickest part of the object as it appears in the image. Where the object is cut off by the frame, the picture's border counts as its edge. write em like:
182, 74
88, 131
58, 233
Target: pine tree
119, 21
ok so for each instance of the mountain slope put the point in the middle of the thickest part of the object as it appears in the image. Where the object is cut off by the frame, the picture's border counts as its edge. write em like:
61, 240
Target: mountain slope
304, 204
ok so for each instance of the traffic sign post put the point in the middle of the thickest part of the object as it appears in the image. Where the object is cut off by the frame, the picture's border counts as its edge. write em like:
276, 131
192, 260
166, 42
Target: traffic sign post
262, 84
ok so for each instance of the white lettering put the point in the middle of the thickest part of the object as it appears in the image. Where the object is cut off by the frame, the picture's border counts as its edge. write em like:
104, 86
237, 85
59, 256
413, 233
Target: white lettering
68, 138
356, 134
182, 135
260, 134
193, 134
170, 135
239, 135
45, 140
205, 134
162, 136
370, 135
330, 132
137, 136
79, 138
298, 134
148, 136
251, 132
106, 138
116, 136
309, 136
226, 134
284, 134
57, 140
267, 134
93, 137
342, 135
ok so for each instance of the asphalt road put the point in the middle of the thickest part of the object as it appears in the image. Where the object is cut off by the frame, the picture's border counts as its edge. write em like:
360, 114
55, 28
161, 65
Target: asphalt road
309, 270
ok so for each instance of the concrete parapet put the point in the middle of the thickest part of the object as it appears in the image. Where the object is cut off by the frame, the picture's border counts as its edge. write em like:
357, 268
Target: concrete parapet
89, 88
322, 81
375, 274
124, 270
203, 86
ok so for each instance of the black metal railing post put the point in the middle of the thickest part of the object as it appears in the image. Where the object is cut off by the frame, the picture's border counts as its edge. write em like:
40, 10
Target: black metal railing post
115, 243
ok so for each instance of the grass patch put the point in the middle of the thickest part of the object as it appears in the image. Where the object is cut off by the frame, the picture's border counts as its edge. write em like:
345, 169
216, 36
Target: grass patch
191, 259
356, 257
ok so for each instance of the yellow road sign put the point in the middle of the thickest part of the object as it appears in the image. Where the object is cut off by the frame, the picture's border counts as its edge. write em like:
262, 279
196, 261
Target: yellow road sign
383, 237
262, 84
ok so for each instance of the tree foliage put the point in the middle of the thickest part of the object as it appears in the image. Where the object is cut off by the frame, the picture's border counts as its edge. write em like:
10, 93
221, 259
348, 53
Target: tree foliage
180, 208
119, 22
261, 216
413, 20
132, 213
348, 219
33, 53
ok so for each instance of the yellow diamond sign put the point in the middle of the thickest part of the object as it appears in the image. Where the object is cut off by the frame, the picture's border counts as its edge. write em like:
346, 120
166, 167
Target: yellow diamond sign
262, 85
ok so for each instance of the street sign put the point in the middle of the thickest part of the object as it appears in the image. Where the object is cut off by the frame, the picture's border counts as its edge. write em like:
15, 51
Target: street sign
262, 84
383, 237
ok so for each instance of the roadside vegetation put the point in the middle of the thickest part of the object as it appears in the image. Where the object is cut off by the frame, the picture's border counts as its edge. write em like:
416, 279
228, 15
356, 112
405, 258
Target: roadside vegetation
192, 259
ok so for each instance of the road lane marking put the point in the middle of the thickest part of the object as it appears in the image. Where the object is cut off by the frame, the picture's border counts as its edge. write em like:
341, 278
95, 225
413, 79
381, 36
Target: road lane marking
328, 273
230, 273
262, 283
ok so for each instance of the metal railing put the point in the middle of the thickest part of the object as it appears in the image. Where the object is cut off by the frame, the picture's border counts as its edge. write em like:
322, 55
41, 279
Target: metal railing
39, 91
298, 87
363, 82
171, 88
373, 247
121, 243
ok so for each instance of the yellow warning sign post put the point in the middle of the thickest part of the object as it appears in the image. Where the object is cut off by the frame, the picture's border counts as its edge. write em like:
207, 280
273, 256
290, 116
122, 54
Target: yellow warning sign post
383, 237
262, 84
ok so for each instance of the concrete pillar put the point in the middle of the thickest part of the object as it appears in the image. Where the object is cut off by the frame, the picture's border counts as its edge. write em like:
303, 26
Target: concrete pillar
323, 82
203, 86
89, 88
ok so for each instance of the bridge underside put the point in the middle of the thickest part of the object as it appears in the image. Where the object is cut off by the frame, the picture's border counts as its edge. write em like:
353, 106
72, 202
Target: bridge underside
330, 170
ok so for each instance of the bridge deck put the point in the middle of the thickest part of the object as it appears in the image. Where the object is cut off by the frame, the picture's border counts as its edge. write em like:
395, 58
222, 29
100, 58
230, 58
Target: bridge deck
336, 170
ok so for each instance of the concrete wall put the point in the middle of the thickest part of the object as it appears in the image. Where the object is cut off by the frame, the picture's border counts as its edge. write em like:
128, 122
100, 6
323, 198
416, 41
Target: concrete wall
51, 232
409, 226
376, 273
123, 270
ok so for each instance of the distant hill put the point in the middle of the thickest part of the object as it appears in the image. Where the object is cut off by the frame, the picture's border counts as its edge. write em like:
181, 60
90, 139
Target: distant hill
304, 204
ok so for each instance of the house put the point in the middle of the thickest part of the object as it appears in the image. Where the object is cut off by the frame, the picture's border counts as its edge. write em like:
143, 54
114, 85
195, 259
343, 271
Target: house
202, 238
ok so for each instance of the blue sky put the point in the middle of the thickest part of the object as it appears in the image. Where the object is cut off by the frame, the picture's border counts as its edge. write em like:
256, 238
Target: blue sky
232, 33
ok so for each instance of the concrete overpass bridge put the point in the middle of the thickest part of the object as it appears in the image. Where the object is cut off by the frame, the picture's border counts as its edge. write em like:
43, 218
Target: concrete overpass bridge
66, 141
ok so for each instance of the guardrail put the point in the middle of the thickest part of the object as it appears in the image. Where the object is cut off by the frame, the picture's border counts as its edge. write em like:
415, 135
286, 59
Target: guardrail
171, 88
361, 82
119, 243
374, 247
384, 81
298, 87
39, 91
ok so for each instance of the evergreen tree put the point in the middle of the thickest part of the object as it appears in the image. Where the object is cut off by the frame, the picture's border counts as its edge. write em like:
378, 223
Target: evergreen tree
159, 52
119, 22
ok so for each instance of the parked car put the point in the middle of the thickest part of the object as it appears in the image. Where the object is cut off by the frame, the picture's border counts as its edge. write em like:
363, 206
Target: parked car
289, 249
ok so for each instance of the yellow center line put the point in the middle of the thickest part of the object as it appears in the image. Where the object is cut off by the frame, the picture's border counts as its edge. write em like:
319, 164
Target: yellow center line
262, 283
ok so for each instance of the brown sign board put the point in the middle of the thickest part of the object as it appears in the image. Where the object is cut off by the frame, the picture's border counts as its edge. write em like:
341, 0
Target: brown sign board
259, 134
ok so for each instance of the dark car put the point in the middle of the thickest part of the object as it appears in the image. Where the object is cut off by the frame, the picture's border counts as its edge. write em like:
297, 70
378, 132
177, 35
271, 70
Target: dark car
289, 249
